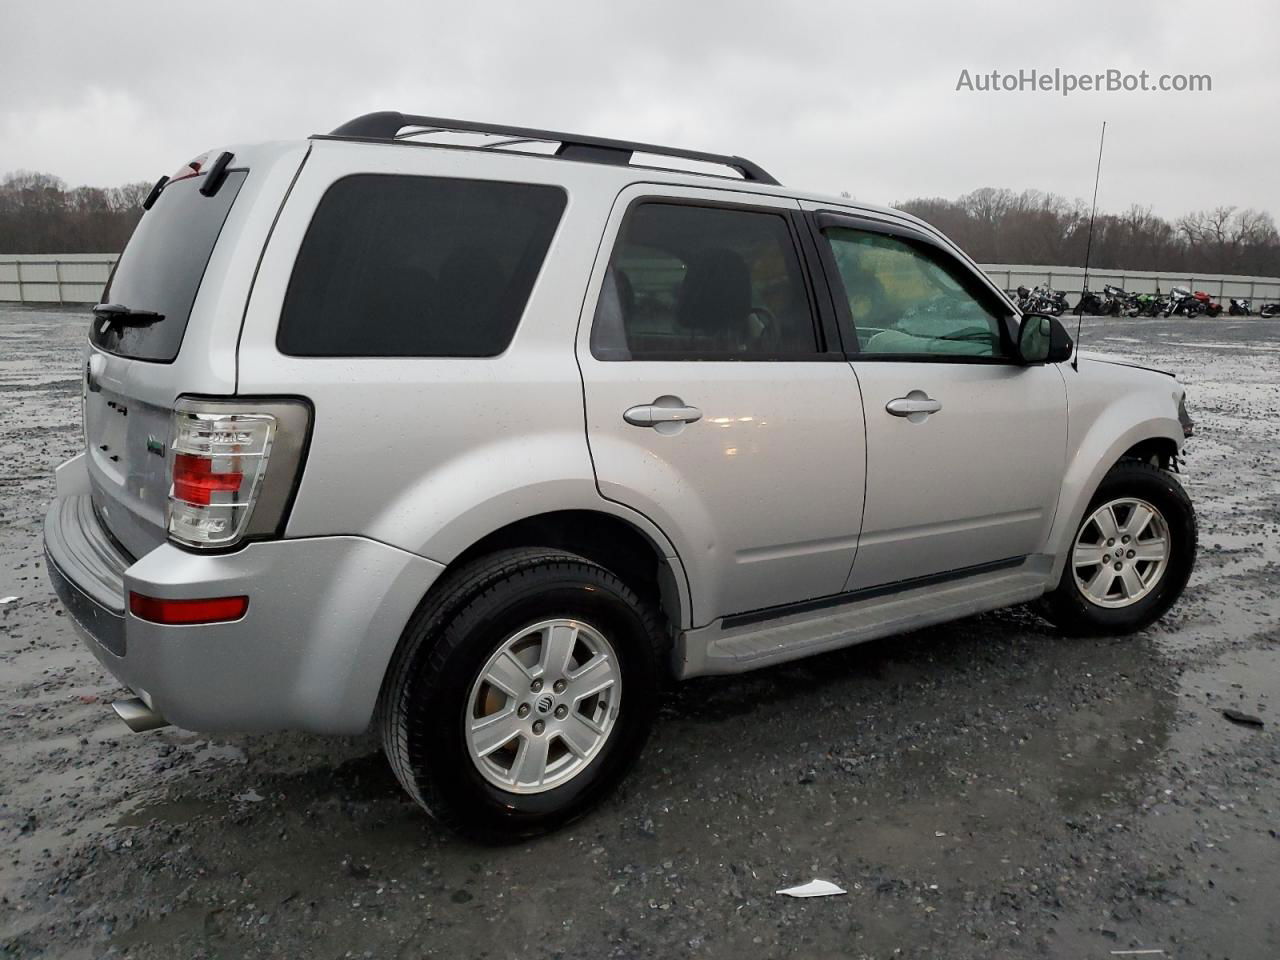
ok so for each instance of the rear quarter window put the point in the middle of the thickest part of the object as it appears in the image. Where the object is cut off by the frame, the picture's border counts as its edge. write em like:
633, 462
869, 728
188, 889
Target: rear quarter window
162, 266
410, 266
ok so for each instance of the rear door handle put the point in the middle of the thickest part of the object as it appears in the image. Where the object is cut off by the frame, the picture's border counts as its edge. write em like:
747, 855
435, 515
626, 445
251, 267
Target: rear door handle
657, 413
915, 406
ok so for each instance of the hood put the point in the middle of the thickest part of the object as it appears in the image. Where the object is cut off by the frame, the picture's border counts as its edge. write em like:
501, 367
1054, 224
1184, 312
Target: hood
1118, 361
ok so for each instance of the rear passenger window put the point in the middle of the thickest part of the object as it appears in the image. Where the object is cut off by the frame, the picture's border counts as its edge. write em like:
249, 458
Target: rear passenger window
405, 266
703, 283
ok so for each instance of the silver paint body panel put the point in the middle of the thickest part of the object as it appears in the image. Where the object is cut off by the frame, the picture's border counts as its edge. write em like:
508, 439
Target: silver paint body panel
973, 483
762, 497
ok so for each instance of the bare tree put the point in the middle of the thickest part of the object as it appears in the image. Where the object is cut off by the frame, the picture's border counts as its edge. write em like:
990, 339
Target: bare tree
999, 226
38, 214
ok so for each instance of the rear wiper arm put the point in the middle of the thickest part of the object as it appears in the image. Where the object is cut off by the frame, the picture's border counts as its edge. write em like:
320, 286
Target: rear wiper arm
118, 313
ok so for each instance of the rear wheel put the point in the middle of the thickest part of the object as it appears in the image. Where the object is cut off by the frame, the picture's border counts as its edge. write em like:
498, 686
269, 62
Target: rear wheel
523, 692
1131, 556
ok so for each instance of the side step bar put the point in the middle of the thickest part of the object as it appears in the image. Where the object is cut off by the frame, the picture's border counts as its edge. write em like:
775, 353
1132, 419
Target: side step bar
723, 647
137, 716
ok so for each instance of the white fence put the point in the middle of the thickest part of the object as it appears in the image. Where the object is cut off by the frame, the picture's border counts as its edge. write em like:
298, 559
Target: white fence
54, 277
1070, 280
80, 277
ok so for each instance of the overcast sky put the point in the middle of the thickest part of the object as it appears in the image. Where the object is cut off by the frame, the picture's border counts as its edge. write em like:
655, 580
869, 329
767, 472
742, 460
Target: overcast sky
856, 96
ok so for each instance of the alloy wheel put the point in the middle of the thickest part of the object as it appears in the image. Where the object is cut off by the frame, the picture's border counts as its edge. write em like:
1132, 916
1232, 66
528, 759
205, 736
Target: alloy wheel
1121, 552
543, 706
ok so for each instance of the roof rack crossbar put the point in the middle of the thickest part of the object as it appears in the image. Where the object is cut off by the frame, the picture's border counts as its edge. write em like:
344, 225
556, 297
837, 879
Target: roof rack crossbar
387, 124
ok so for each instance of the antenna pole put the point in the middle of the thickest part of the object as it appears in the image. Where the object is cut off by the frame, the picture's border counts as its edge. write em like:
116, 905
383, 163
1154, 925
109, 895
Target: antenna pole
1088, 247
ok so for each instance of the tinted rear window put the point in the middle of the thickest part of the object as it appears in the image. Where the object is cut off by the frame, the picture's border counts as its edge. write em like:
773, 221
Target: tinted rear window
405, 266
162, 265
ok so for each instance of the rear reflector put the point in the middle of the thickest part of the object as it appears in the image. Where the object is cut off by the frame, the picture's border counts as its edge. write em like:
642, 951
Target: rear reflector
203, 610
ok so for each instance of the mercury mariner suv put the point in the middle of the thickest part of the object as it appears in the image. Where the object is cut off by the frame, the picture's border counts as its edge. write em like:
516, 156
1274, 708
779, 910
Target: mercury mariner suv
478, 434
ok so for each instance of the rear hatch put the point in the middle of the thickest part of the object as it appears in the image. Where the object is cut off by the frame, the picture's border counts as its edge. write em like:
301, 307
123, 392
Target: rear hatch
180, 264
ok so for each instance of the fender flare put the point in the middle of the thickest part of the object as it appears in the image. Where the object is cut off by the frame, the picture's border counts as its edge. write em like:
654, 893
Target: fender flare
488, 516
1100, 450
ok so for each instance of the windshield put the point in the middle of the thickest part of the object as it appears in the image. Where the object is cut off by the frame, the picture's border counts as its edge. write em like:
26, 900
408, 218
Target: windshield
161, 268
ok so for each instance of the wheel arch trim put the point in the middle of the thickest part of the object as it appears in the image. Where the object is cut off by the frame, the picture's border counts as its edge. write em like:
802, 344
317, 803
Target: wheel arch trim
1101, 449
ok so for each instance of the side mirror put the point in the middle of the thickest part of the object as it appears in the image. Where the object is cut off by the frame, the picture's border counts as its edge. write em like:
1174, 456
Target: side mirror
1042, 339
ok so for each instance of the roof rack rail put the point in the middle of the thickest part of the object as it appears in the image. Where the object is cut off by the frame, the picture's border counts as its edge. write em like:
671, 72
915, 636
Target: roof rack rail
386, 124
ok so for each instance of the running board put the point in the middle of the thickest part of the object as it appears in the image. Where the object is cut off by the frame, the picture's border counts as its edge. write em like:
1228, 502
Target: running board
715, 649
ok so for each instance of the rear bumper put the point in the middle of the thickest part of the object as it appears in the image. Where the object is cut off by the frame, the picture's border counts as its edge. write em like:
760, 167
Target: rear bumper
324, 617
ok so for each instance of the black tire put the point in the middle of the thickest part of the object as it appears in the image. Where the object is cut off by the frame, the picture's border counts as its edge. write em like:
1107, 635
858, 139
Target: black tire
446, 645
1070, 610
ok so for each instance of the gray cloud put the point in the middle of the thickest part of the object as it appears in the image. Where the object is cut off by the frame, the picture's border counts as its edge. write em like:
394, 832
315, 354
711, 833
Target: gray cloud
856, 96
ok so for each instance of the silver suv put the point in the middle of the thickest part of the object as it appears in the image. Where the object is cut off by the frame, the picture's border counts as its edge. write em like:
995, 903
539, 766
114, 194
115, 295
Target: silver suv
479, 434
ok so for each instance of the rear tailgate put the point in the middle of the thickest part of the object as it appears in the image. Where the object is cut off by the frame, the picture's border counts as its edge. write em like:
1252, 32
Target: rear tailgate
191, 260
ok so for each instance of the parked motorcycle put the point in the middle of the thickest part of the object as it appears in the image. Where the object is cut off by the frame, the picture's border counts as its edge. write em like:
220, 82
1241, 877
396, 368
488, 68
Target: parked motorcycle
1208, 306
1240, 307
1269, 310
1142, 305
1057, 302
1112, 302
1183, 303
1042, 300
1090, 303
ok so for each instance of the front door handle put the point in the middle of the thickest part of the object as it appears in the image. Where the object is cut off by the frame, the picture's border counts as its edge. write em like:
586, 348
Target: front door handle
664, 410
915, 406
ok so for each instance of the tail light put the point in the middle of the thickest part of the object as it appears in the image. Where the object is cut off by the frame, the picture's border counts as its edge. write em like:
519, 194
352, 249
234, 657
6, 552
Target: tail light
233, 468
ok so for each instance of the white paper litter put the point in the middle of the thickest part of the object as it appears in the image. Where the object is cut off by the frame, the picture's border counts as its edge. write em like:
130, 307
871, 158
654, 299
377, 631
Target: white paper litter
249, 796
814, 888
4, 600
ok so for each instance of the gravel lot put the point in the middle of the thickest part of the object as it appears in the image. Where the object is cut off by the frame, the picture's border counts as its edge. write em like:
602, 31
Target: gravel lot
983, 789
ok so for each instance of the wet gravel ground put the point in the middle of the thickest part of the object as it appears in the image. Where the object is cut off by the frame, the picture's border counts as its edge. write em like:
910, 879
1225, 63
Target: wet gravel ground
983, 789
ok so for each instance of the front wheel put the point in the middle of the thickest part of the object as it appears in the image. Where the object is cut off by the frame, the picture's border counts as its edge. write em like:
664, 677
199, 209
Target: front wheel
522, 693
1131, 556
